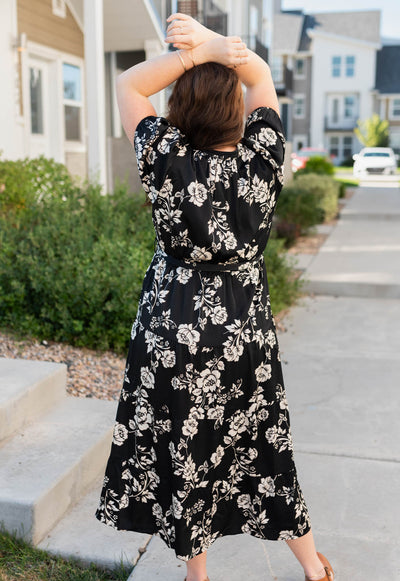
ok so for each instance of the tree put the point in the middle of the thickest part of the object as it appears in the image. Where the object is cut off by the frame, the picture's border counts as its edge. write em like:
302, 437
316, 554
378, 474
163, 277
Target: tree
373, 132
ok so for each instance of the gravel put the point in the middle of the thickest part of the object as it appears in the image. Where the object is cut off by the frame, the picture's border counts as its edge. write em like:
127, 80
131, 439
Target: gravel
89, 373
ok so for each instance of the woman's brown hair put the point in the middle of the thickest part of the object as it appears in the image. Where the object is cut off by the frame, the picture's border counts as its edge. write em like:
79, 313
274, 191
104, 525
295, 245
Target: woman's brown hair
207, 105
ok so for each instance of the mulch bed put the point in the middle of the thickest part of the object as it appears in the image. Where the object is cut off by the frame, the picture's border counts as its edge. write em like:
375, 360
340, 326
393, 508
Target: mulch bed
94, 374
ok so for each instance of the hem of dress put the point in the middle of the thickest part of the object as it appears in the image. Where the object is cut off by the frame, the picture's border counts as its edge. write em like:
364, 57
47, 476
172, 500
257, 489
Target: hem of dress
225, 533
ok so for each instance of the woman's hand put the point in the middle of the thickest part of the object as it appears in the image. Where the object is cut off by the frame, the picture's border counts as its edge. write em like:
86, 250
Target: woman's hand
184, 32
226, 50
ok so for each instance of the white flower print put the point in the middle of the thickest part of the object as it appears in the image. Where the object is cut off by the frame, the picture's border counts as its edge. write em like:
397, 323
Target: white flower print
168, 358
218, 315
263, 372
209, 380
120, 434
267, 486
217, 456
286, 535
190, 427
147, 377
187, 335
267, 136
197, 192
200, 253
238, 423
184, 274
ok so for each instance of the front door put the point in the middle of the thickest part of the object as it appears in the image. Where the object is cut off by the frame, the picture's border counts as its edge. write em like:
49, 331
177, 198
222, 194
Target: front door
39, 89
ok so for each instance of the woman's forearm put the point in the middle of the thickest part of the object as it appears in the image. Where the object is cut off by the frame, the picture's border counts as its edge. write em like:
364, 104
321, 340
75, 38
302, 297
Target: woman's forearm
256, 76
254, 71
149, 77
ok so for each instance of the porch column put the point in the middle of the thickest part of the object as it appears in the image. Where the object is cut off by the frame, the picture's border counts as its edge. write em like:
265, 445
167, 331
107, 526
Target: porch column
95, 90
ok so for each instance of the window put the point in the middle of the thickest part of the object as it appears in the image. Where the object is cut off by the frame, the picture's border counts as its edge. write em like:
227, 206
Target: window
347, 146
299, 106
72, 102
335, 110
277, 69
334, 146
36, 97
254, 18
350, 64
59, 8
349, 106
336, 66
299, 70
395, 109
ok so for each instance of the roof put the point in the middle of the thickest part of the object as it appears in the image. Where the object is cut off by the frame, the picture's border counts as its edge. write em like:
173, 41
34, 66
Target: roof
361, 25
387, 78
287, 31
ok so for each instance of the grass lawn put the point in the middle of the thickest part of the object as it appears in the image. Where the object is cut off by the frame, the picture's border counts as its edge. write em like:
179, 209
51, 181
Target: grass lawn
19, 561
348, 181
342, 169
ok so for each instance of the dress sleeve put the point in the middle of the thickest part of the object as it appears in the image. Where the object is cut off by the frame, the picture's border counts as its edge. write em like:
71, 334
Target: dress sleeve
156, 142
263, 134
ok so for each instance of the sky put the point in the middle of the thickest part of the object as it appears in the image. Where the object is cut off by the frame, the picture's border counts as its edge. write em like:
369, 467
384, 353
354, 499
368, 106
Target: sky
390, 10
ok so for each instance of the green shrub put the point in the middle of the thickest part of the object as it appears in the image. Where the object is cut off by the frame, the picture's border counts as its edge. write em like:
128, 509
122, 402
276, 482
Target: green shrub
72, 269
297, 210
72, 260
284, 286
326, 191
317, 164
25, 182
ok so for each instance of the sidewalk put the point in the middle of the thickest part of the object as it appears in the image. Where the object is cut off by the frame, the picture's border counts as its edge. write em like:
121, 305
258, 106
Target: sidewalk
342, 372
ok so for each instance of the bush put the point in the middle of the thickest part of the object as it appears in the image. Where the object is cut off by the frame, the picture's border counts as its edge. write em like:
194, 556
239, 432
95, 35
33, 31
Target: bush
326, 191
317, 164
71, 269
284, 286
72, 260
297, 210
308, 200
25, 182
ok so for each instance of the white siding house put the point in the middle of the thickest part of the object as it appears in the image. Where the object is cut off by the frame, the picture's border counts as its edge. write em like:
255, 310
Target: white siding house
343, 72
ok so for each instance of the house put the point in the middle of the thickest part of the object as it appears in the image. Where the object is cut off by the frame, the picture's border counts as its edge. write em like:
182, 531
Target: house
324, 67
387, 91
60, 59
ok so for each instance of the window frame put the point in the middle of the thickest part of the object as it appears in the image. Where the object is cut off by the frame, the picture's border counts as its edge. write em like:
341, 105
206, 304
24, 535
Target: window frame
69, 144
393, 108
274, 68
296, 97
350, 67
336, 66
301, 75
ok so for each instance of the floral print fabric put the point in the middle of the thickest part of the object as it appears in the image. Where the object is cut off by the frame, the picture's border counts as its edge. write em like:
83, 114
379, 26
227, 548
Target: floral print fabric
202, 445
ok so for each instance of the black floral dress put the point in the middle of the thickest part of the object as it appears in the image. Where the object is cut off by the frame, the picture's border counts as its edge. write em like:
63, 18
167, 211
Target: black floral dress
202, 445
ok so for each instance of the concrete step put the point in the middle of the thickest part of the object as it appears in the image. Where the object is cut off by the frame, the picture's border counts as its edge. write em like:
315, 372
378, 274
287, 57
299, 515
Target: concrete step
27, 390
81, 536
46, 467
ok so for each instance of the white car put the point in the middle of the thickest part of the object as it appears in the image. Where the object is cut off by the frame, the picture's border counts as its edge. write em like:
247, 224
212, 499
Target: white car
375, 160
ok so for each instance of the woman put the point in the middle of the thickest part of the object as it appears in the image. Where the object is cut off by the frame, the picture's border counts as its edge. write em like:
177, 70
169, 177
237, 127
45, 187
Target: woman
202, 445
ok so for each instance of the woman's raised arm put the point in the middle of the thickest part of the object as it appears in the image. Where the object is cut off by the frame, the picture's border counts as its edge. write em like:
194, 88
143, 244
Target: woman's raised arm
136, 84
260, 89
255, 74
